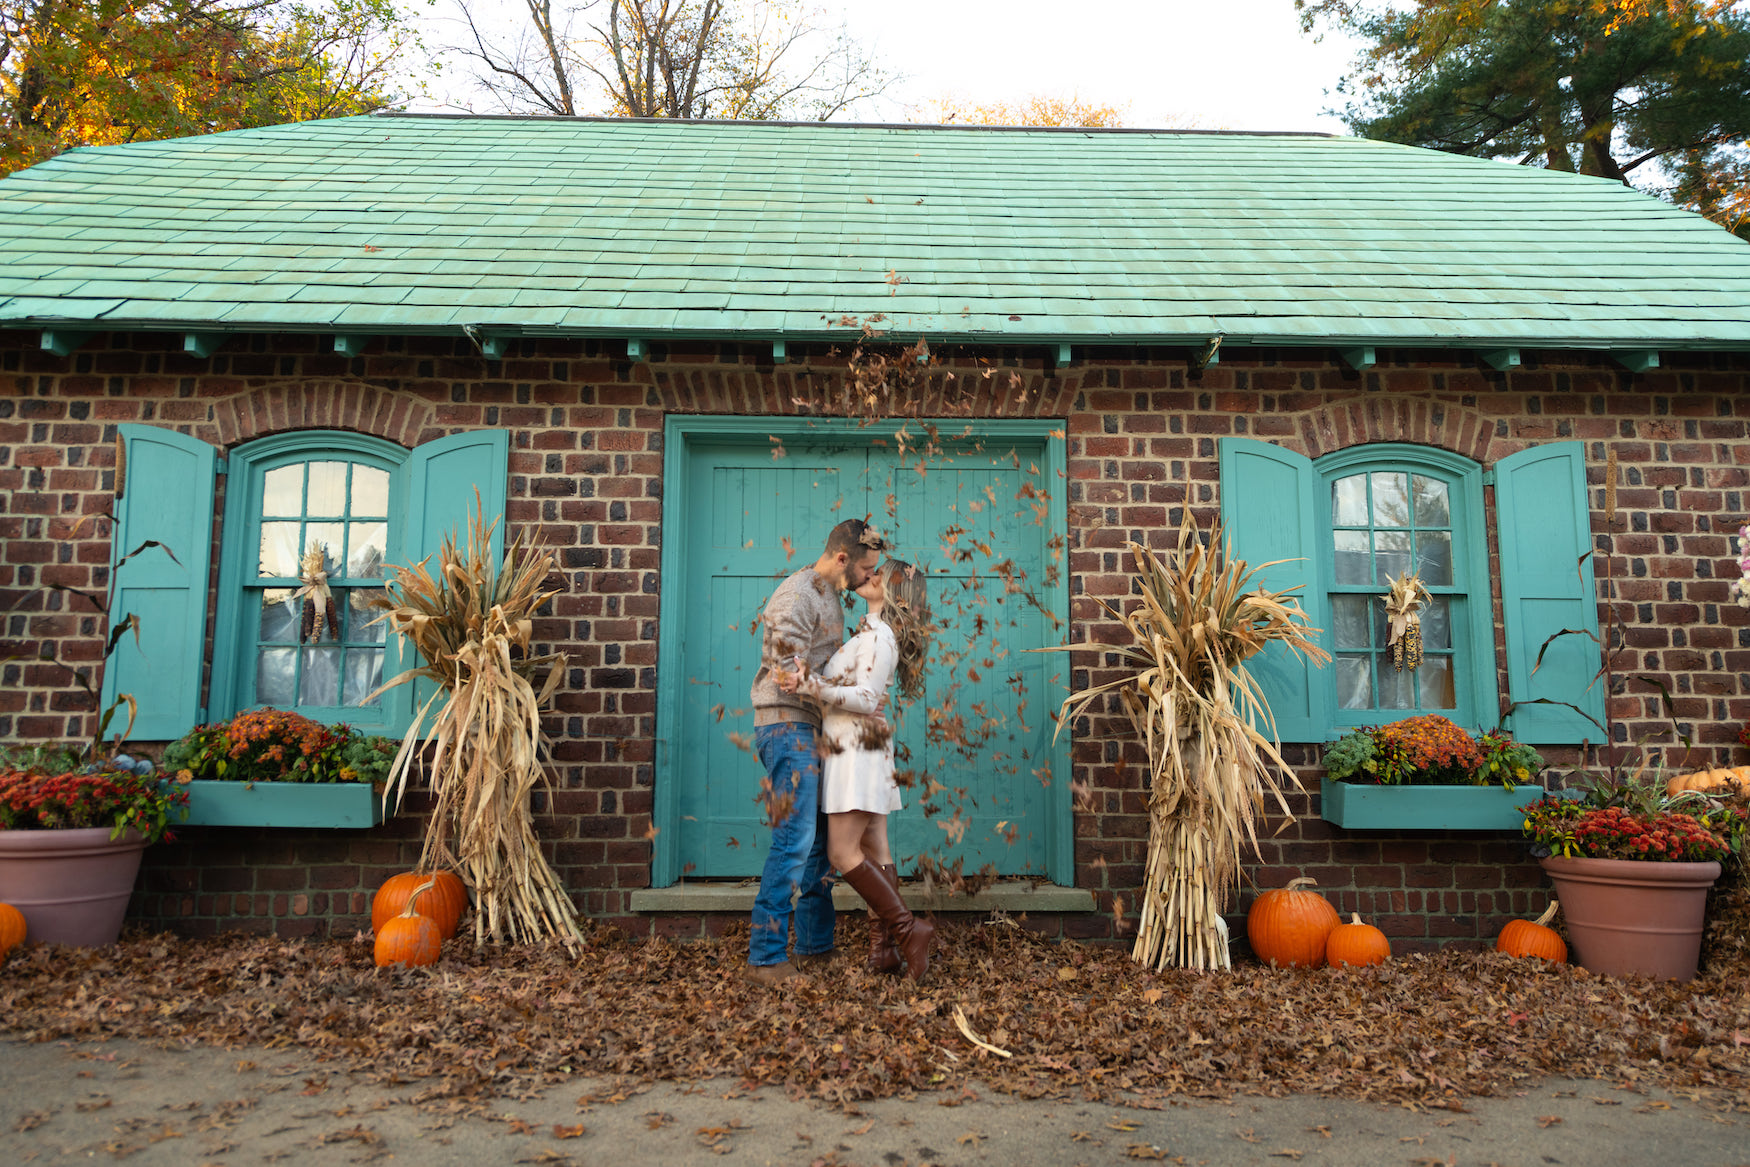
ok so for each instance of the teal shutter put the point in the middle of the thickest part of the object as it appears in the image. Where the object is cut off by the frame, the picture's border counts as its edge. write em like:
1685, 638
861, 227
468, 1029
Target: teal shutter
164, 495
442, 477
1269, 511
1545, 526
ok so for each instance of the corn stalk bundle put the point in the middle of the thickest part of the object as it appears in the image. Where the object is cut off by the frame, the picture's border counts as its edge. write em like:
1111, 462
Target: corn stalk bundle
473, 624
1187, 692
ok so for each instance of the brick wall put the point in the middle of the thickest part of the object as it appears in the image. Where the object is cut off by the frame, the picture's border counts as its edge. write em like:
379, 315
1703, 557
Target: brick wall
586, 463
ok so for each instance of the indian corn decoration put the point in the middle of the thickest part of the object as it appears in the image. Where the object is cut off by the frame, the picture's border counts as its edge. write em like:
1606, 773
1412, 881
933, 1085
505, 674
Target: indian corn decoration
1403, 608
1210, 740
318, 610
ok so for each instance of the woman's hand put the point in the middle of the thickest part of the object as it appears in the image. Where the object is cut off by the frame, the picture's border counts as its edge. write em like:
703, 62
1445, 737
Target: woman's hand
789, 680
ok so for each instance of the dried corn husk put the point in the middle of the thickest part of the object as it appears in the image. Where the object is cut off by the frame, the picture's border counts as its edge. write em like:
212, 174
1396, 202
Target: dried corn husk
1210, 738
1403, 610
473, 625
318, 611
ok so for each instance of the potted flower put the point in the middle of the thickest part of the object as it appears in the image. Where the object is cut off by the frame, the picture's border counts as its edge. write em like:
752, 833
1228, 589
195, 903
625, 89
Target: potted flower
1632, 865
269, 767
71, 838
1425, 773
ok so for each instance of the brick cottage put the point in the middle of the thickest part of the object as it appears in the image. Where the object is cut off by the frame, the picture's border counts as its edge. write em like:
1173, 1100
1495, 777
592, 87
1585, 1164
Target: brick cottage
633, 338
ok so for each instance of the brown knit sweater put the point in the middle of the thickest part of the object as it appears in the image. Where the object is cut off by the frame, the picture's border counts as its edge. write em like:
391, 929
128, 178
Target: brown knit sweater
805, 617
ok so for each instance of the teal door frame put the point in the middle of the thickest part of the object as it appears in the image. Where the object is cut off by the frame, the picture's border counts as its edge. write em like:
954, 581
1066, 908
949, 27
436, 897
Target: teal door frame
679, 432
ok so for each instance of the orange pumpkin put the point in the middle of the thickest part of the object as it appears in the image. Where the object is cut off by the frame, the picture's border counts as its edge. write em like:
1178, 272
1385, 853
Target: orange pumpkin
444, 903
410, 939
1288, 926
12, 928
1725, 781
1528, 938
1356, 943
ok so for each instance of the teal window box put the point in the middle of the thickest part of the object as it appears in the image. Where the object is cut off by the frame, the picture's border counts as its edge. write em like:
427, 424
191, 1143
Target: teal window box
283, 804
1359, 807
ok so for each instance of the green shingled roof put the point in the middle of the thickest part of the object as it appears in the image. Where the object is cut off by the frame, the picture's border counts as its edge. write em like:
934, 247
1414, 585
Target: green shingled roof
583, 227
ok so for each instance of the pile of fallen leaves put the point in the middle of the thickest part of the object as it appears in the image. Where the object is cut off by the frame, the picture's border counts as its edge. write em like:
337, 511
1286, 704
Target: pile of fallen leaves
1074, 1020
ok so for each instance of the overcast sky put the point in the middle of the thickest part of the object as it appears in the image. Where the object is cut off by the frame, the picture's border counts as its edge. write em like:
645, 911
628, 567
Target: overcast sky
1215, 64
1222, 64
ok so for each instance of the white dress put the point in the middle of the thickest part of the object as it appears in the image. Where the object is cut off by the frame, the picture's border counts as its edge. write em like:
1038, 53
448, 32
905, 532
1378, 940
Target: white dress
857, 773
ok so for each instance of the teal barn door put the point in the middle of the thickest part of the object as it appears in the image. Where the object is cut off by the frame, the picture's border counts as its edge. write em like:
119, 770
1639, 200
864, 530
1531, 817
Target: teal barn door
747, 514
976, 747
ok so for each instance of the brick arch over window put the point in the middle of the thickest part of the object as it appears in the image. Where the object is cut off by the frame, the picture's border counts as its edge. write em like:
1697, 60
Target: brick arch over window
339, 405
1358, 421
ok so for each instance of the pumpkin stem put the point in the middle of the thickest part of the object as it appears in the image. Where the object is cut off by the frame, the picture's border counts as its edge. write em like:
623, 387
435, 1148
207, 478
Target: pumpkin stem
1549, 914
414, 898
1355, 917
1302, 881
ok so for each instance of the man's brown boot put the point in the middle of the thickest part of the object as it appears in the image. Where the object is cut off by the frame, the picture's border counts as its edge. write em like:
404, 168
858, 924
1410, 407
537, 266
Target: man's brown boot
911, 935
883, 956
770, 976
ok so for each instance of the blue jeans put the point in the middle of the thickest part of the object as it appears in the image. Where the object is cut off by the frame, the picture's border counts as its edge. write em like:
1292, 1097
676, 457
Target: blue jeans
797, 858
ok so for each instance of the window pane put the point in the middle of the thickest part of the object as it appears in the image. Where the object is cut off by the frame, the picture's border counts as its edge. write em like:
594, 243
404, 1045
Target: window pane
279, 617
282, 493
320, 684
1434, 557
1391, 499
370, 492
364, 549
274, 678
1396, 690
1354, 682
364, 672
359, 617
1354, 566
1391, 554
1437, 625
330, 537
1350, 614
279, 550
1432, 506
327, 497
1349, 501
1435, 679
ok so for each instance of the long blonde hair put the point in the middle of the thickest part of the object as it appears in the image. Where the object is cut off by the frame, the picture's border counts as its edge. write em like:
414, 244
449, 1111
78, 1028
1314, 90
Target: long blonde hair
907, 612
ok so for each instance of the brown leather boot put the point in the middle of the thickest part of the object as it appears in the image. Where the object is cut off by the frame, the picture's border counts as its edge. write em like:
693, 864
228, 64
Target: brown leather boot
911, 935
883, 956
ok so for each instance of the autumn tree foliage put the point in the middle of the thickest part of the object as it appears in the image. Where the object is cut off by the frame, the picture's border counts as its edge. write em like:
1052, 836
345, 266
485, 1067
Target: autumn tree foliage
738, 59
1037, 109
103, 72
1650, 92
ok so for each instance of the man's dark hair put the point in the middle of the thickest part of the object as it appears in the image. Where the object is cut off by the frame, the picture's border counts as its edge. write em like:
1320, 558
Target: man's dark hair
855, 538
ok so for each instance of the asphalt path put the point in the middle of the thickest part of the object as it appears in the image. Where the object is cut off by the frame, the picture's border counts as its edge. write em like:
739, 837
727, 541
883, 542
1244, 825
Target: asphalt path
149, 1105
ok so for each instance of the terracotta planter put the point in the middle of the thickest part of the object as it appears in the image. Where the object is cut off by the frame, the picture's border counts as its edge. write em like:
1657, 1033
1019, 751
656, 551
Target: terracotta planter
72, 886
1627, 918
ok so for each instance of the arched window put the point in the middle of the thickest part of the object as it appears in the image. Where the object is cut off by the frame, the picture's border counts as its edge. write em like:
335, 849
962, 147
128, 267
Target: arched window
1337, 529
1393, 509
294, 500
358, 502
